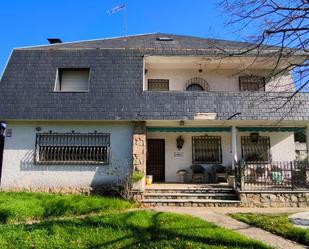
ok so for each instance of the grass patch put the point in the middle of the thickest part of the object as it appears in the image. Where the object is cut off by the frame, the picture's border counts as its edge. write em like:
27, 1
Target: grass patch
23, 206
139, 229
277, 224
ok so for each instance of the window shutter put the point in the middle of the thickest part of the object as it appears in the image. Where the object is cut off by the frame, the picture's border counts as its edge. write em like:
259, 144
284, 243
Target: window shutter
74, 79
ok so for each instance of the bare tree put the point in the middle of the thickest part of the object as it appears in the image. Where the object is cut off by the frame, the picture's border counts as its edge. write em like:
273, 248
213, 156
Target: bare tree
281, 24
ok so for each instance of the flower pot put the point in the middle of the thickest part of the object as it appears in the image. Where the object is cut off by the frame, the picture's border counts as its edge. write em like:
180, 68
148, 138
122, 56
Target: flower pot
148, 180
139, 185
231, 181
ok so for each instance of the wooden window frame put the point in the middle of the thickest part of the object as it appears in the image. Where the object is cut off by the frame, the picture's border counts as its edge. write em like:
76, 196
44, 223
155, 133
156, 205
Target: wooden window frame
159, 82
217, 147
247, 80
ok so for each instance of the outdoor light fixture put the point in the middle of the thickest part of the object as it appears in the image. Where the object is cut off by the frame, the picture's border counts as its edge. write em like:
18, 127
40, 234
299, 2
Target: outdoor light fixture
254, 137
200, 69
180, 142
146, 71
38, 128
181, 122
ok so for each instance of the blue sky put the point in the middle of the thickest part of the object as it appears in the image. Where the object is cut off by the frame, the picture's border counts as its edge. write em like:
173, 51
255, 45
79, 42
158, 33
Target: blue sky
30, 22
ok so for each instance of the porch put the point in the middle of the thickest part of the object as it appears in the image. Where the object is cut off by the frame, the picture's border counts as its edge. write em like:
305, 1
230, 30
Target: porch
272, 176
173, 149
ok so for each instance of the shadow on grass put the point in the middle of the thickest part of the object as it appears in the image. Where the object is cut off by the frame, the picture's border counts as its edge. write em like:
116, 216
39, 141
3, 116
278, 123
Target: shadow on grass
54, 208
145, 229
4, 216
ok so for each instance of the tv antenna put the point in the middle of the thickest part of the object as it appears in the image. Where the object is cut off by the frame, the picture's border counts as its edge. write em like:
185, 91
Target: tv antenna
119, 8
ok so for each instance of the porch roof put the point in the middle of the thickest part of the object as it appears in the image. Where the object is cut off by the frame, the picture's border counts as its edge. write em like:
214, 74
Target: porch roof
188, 129
225, 129
271, 129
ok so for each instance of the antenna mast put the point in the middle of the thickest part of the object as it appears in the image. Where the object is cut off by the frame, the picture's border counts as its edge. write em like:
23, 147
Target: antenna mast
117, 9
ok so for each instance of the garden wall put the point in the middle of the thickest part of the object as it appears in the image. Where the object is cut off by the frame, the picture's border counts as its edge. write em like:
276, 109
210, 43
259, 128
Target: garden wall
274, 198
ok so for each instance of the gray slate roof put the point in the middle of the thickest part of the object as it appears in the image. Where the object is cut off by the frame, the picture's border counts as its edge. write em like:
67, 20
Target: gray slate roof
116, 85
149, 43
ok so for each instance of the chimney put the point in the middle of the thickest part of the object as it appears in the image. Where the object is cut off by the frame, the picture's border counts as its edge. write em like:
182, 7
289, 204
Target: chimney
54, 40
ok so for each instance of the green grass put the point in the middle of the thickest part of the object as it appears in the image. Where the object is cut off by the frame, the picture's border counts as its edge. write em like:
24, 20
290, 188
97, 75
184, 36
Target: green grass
23, 206
277, 224
139, 229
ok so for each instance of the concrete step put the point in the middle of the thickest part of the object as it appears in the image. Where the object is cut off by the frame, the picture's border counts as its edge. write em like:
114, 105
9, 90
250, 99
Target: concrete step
191, 203
193, 196
190, 190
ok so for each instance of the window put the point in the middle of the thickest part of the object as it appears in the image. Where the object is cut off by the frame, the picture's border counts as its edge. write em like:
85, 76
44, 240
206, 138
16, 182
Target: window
206, 149
252, 83
255, 149
197, 84
72, 148
158, 85
195, 87
72, 80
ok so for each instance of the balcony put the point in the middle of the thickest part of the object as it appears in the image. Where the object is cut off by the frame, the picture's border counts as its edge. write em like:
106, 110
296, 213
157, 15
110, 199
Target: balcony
252, 105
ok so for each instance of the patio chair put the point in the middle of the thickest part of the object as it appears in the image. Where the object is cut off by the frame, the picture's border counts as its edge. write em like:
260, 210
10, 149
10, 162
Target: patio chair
219, 172
198, 173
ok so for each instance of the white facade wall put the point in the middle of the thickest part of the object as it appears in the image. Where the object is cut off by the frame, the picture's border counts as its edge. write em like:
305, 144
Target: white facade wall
19, 171
282, 149
218, 80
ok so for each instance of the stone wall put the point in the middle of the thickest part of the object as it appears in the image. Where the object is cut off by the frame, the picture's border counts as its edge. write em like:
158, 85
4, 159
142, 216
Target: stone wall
274, 199
139, 156
139, 147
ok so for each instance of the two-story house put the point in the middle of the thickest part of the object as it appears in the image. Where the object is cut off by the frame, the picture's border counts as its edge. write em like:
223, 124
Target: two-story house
78, 114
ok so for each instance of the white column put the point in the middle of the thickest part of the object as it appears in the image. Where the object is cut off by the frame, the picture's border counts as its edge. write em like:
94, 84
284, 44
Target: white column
234, 146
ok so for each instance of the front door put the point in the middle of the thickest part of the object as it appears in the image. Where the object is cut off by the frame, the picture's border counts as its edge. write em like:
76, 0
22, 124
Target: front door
156, 159
1, 150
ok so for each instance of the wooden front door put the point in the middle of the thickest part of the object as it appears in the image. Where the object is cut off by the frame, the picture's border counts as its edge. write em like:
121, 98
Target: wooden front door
1, 151
156, 159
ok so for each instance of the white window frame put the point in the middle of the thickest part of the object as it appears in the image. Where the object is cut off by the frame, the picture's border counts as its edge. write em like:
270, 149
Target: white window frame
58, 83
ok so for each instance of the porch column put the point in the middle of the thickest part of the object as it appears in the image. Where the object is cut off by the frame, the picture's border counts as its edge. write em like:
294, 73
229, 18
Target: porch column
234, 146
139, 146
307, 140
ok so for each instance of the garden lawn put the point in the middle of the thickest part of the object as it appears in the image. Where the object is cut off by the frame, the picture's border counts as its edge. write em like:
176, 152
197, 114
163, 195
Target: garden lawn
138, 229
277, 224
25, 206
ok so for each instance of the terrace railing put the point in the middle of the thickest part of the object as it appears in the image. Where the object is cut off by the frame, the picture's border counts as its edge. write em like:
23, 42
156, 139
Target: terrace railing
267, 176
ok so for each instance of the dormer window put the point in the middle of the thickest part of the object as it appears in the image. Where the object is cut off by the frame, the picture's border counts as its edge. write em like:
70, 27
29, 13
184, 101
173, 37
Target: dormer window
197, 84
72, 80
252, 83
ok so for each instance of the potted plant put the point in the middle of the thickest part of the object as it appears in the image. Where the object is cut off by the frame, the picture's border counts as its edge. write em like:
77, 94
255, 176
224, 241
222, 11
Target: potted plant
230, 175
138, 181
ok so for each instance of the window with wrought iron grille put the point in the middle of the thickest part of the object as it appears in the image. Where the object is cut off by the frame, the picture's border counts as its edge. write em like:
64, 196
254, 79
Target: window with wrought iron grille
255, 149
72, 148
206, 149
197, 84
158, 85
252, 83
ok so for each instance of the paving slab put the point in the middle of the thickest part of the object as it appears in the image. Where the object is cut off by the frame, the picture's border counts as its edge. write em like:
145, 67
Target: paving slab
300, 219
219, 217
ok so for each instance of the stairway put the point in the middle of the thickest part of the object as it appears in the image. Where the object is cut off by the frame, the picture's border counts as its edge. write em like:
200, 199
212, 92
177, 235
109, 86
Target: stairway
190, 195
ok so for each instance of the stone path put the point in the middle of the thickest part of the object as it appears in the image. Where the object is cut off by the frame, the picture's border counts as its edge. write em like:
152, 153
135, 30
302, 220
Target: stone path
219, 217
300, 219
